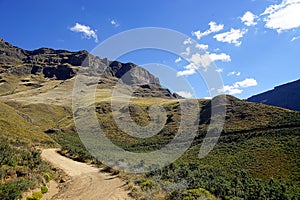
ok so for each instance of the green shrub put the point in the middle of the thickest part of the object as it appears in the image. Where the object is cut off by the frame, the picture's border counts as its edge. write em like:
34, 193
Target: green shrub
35, 196
13, 190
44, 189
148, 184
199, 193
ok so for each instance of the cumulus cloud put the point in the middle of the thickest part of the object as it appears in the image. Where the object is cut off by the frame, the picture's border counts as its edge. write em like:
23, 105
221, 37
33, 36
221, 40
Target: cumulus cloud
295, 38
201, 46
248, 82
86, 30
229, 89
114, 23
231, 36
249, 19
222, 57
178, 60
213, 28
234, 73
189, 69
185, 94
237, 87
283, 16
198, 60
187, 51
187, 41
219, 70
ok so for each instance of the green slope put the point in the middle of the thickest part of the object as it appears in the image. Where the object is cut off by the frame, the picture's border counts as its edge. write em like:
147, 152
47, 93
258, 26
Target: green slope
16, 125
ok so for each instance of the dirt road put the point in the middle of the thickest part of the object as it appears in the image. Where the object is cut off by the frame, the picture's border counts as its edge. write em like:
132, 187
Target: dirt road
87, 183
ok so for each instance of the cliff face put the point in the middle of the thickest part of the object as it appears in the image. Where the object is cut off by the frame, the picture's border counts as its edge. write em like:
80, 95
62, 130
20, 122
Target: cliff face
286, 96
63, 65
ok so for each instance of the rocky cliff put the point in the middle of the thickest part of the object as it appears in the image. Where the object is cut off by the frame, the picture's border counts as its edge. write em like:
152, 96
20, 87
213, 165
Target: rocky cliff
63, 65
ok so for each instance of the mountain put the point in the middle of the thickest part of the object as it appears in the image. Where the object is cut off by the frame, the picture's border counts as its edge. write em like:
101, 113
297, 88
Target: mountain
285, 96
63, 65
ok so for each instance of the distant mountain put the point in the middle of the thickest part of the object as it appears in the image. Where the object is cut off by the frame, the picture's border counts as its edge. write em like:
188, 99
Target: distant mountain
64, 65
285, 96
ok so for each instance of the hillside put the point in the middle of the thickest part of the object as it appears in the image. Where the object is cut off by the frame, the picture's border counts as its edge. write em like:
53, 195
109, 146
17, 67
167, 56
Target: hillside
257, 155
285, 96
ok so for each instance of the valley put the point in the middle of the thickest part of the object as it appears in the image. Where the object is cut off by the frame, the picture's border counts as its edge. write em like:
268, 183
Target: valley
256, 157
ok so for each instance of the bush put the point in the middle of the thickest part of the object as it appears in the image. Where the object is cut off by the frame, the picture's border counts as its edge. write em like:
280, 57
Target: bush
24, 167
44, 189
148, 184
199, 193
35, 196
13, 190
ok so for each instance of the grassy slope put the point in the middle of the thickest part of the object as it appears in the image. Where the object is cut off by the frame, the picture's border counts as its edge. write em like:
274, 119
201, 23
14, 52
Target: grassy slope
258, 139
17, 125
21, 166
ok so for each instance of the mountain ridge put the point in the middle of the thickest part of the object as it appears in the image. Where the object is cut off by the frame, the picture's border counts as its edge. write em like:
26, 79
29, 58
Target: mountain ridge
286, 96
64, 64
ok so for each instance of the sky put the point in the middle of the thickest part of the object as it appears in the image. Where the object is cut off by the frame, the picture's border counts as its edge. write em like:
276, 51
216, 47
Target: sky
254, 44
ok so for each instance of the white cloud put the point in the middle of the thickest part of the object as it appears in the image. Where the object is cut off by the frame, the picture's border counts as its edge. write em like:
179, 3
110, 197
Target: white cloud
295, 38
231, 73
249, 19
201, 46
185, 94
232, 36
86, 30
231, 90
190, 69
187, 51
219, 70
115, 23
187, 41
178, 60
236, 88
283, 16
198, 60
222, 57
213, 28
248, 82
234, 73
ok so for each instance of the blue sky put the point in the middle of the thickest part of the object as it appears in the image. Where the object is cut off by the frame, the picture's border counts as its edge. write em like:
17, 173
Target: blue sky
254, 43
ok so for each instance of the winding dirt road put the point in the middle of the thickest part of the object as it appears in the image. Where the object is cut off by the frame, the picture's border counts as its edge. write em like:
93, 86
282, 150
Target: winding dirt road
87, 183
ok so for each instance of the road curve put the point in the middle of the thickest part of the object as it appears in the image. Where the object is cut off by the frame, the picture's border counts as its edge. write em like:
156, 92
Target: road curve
87, 183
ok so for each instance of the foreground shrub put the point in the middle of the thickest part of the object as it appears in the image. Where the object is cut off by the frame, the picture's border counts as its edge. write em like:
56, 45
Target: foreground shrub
44, 189
35, 196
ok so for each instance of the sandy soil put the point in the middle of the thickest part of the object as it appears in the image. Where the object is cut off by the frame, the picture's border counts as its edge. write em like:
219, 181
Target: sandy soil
87, 183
